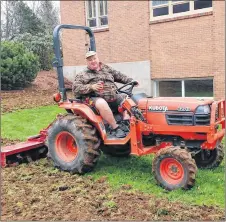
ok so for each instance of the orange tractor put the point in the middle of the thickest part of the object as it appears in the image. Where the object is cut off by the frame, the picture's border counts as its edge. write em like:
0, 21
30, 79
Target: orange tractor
182, 133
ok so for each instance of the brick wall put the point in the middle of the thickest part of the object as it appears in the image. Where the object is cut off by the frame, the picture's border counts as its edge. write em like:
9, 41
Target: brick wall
73, 12
125, 41
219, 48
128, 31
182, 48
179, 48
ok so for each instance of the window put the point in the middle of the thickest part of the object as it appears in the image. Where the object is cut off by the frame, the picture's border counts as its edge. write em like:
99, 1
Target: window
174, 8
184, 88
198, 88
96, 13
170, 88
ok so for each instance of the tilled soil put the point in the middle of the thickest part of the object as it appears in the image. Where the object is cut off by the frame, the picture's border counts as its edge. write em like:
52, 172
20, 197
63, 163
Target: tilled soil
37, 191
39, 93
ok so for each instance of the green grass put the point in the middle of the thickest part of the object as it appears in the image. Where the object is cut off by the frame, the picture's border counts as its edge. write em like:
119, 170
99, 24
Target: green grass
135, 171
27, 122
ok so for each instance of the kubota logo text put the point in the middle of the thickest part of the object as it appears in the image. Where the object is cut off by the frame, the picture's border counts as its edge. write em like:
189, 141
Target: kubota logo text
158, 108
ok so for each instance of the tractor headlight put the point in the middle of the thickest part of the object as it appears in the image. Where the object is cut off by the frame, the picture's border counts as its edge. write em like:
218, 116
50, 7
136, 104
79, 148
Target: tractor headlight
205, 109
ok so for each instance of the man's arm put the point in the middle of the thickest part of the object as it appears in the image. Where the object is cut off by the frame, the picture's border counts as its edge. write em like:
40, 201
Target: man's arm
79, 87
119, 77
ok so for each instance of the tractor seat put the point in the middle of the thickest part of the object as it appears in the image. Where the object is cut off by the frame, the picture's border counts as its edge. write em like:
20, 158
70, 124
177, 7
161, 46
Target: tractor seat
79, 100
138, 96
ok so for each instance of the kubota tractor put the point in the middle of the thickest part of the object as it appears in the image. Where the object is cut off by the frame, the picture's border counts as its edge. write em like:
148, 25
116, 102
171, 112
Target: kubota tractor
182, 133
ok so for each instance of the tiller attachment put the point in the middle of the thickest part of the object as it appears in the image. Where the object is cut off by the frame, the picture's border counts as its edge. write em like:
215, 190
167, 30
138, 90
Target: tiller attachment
32, 149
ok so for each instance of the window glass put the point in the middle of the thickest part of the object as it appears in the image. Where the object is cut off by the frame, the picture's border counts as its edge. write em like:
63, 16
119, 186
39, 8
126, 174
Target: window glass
92, 23
199, 4
104, 20
160, 11
155, 3
106, 8
181, 8
101, 6
174, 8
97, 13
94, 8
199, 88
170, 89
90, 9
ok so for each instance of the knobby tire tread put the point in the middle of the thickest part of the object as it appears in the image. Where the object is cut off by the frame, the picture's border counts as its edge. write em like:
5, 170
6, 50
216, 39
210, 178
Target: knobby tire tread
184, 157
89, 152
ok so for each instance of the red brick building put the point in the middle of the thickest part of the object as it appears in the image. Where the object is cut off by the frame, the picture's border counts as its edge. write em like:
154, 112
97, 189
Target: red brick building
173, 48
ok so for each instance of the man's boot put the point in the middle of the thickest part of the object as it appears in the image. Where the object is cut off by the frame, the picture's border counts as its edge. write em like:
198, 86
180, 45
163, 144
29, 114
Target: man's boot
125, 125
118, 132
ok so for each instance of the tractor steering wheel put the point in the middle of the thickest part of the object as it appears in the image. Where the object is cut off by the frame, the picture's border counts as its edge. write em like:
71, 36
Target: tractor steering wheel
129, 90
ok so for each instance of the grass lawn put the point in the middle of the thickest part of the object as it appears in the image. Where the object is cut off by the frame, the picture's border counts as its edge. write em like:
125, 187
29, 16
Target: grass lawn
136, 171
24, 123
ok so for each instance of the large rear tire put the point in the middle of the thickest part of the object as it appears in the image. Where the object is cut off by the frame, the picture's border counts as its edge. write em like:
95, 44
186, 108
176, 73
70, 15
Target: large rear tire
209, 159
73, 144
174, 168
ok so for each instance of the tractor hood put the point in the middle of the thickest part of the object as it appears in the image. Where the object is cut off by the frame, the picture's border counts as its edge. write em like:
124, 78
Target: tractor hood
165, 104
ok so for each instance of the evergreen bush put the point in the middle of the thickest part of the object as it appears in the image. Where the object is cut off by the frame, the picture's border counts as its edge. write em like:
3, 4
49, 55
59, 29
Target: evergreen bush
19, 67
40, 44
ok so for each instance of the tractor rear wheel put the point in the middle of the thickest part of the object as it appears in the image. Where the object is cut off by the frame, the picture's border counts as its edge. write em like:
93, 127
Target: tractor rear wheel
174, 168
117, 150
210, 158
73, 144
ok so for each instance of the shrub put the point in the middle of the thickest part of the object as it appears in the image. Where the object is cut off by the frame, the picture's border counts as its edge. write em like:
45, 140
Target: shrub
40, 44
19, 67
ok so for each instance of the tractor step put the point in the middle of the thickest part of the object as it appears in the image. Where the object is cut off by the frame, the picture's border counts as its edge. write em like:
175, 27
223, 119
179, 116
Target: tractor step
116, 141
17, 149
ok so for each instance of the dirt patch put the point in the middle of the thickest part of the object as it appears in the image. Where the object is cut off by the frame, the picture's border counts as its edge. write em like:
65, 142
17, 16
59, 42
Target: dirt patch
39, 192
8, 142
39, 93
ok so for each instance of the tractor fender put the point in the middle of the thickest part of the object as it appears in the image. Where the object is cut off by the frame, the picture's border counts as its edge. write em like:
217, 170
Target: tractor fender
86, 112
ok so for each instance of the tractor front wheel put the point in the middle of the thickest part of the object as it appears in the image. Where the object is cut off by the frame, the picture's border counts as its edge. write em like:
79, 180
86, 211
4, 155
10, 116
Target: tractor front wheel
210, 158
174, 168
73, 144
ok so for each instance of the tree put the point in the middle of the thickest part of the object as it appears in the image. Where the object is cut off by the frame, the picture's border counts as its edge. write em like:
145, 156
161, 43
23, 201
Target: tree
19, 19
48, 14
40, 44
34, 5
27, 21
7, 18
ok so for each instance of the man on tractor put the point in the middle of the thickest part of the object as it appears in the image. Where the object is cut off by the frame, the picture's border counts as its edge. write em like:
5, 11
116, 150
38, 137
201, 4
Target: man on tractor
184, 133
96, 83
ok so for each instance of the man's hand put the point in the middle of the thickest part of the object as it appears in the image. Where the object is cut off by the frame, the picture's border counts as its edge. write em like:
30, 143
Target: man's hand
97, 86
136, 83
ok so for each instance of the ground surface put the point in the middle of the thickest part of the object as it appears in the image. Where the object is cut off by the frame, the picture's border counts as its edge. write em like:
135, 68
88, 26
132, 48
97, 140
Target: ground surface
39, 192
38, 94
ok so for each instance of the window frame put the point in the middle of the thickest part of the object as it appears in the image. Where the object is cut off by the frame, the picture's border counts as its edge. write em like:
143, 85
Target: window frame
98, 16
170, 5
156, 86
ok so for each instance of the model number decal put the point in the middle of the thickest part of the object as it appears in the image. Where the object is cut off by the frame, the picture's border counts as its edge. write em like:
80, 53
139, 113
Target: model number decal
158, 108
183, 109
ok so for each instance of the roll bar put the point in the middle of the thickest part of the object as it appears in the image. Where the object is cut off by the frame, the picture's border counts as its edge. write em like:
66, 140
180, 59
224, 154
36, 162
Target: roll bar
58, 62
